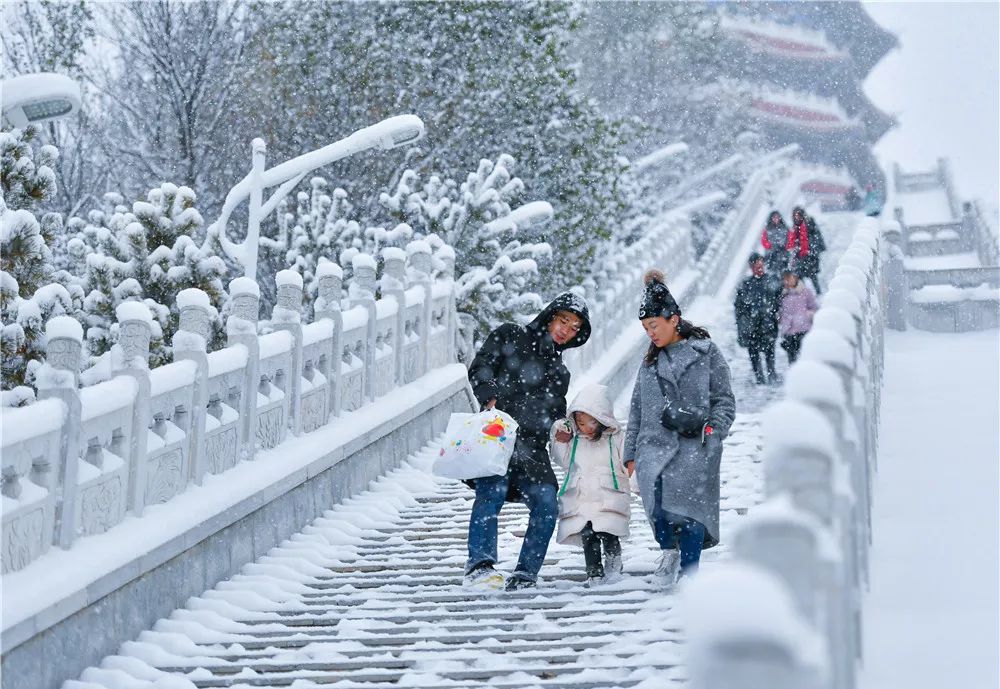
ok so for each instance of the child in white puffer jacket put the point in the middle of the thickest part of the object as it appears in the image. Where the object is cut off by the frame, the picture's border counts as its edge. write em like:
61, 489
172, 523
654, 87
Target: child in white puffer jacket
594, 503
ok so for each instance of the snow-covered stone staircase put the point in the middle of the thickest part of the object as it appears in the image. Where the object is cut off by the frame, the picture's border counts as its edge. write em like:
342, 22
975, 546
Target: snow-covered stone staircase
371, 596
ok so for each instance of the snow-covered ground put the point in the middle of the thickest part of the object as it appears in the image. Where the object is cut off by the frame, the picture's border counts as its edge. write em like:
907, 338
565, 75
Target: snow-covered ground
924, 207
932, 613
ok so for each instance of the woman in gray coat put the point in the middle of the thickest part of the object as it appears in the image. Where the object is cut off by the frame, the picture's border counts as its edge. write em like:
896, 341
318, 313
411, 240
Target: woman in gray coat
682, 408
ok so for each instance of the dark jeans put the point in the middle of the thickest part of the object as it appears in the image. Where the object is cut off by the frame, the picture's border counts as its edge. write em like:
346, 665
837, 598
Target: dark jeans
677, 531
593, 542
543, 511
792, 344
757, 348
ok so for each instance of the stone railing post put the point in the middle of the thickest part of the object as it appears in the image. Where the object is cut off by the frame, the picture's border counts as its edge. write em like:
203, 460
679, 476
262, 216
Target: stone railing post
419, 253
447, 257
241, 329
287, 315
135, 329
361, 292
190, 343
327, 305
393, 284
59, 379
897, 291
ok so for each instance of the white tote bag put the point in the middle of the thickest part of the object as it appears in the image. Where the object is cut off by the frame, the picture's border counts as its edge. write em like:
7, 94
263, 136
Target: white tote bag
477, 445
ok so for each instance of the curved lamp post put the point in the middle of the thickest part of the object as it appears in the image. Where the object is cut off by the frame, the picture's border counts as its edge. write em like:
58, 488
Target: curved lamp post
394, 132
33, 98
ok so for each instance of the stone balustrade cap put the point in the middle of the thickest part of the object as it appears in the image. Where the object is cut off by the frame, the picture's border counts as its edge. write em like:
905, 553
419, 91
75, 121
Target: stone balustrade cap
814, 381
822, 344
65, 327
838, 320
792, 425
392, 253
327, 269
244, 285
193, 297
288, 277
133, 311
363, 261
418, 246
843, 299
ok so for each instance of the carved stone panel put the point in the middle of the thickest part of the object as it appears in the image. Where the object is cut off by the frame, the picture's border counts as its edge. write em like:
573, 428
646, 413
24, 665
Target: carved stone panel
269, 425
220, 448
133, 338
290, 297
63, 353
101, 505
352, 391
313, 410
245, 306
24, 539
195, 319
165, 476
411, 355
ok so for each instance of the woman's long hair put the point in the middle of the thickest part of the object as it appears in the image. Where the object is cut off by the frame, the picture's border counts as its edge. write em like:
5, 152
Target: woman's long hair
686, 330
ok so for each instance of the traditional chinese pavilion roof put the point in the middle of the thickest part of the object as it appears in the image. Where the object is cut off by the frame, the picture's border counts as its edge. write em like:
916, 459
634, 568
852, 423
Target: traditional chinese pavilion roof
801, 110
780, 40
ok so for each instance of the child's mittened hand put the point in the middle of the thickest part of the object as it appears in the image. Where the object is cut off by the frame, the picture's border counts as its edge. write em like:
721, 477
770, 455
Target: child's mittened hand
563, 436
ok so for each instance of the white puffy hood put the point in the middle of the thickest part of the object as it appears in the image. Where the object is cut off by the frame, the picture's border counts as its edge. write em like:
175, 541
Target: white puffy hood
593, 400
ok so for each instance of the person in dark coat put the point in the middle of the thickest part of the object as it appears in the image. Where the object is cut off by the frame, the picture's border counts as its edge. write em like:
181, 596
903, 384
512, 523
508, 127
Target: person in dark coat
758, 301
682, 408
806, 263
519, 370
774, 239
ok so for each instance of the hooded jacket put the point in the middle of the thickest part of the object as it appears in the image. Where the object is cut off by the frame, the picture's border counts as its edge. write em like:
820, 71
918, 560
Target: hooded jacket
596, 486
521, 368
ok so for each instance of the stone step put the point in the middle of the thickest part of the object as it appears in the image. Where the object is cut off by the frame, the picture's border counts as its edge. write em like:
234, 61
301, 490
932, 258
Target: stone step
543, 671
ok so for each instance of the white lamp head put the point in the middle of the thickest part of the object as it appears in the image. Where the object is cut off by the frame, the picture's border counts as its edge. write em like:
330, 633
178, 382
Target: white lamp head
33, 98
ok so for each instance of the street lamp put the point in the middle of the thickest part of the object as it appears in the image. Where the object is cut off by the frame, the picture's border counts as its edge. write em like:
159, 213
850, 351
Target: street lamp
33, 98
394, 132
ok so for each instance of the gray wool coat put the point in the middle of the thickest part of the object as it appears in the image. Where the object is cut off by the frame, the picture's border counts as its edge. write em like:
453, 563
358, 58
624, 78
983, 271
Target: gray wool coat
694, 374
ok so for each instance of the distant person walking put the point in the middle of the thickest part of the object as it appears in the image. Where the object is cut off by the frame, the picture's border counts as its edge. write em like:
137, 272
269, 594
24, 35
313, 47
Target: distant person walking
775, 240
811, 246
873, 201
798, 305
758, 299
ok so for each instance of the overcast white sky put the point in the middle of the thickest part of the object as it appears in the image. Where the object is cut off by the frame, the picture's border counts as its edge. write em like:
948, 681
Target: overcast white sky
943, 85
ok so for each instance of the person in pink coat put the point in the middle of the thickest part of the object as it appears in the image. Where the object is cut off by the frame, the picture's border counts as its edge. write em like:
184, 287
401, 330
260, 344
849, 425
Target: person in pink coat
798, 304
594, 504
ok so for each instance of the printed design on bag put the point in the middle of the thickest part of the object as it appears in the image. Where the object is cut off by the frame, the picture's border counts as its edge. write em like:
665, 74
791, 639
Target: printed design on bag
495, 431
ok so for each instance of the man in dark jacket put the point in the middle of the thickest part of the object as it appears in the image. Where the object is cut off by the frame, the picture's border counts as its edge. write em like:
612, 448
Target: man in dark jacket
807, 266
758, 302
519, 370
775, 240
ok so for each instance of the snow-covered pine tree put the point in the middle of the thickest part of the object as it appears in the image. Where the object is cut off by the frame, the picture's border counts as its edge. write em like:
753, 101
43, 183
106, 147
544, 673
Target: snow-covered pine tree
31, 290
148, 254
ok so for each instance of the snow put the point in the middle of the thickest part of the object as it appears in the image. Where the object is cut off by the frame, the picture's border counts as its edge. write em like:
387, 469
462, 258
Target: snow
790, 425
64, 327
21, 423
363, 261
276, 343
966, 259
133, 311
355, 318
107, 397
193, 297
418, 246
445, 252
659, 155
224, 361
288, 277
392, 253
170, 377
931, 294
317, 332
329, 269
828, 346
812, 380
931, 615
742, 601
836, 320
244, 285
928, 207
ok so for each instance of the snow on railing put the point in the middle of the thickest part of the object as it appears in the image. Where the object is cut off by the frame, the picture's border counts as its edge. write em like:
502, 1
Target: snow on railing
76, 462
802, 555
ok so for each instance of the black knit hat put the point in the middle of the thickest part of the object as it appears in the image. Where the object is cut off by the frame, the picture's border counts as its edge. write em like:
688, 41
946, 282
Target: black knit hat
657, 299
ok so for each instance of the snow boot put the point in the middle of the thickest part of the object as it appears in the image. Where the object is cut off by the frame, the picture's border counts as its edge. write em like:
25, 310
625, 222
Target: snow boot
484, 577
516, 582
667, 568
